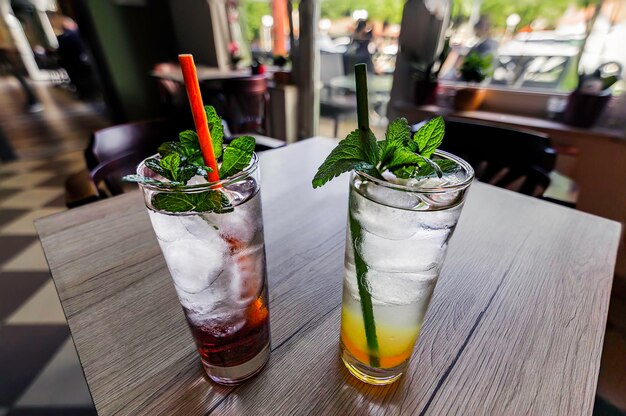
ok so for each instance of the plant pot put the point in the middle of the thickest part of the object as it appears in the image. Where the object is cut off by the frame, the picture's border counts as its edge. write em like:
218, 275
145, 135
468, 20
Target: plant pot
282, 77
583, 109
469, 99
425, 91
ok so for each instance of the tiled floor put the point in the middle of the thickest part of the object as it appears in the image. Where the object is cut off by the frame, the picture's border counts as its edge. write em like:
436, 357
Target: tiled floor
39, 370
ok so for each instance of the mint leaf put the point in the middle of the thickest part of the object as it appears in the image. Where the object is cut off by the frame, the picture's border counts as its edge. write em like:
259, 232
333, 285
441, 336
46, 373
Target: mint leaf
429, 136
170, 164
196, 159
405, 172
445, 166
403, 157
398, 131
216, 128
369, 146
237, 156
189, 139
398, 134
207, 201
168, 148
186, 172
347, 156
215, 201
190, 148
154, 165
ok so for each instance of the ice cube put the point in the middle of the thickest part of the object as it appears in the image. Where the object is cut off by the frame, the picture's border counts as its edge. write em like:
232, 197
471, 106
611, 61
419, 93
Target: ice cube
167, 227
350, 283
195, 263
203, 302
197, 180
391, 223
242, 223
223, 326
248, 281
200, 226
399, 288
421, 253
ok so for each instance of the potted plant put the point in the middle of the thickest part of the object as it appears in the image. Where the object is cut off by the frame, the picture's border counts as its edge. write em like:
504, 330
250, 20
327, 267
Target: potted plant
474, 70
588, 100
282, 76
234, 54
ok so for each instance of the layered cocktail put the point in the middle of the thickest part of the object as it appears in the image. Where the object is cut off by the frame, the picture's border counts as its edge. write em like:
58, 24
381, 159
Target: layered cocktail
398, 233
405, 200
217, 262
205, 206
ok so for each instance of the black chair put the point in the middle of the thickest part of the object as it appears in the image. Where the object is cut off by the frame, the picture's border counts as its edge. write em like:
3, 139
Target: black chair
112, 153
332, 104
519, 160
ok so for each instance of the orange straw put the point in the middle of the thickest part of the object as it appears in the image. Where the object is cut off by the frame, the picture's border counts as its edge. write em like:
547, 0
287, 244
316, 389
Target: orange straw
199, 116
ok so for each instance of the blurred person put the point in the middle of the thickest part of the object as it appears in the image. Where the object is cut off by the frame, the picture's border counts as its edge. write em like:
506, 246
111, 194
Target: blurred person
362, 37
358, 50
74, 58
482, 30
10, 63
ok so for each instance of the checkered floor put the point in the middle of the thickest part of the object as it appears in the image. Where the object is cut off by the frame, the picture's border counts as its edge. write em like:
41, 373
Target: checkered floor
39, 370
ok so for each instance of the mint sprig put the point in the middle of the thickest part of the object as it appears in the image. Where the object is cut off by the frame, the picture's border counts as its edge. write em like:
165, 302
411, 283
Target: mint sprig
181, 160
404, 155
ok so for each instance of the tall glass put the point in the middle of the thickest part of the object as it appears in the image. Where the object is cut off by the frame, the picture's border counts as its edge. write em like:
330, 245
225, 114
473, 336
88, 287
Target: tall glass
396, 242
217, 262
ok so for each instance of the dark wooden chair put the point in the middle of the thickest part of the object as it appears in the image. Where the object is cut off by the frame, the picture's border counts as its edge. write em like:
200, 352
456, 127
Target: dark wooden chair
333, 104
114, 152
247, 101
519, 160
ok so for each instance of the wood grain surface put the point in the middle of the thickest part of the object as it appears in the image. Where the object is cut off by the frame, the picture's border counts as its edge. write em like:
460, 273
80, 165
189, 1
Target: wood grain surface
515, 326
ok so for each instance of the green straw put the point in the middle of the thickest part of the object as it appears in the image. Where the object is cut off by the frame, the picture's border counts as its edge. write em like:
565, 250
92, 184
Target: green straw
362, 111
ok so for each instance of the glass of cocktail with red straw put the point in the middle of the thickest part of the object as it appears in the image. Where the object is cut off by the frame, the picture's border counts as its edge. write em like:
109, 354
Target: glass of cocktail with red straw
210, 230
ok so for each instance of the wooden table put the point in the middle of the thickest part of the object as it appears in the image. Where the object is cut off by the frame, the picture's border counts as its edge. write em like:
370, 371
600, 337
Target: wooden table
205, 73
515, 326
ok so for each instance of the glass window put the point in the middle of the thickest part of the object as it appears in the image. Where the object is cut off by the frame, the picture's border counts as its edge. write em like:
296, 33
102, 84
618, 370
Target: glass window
537, 44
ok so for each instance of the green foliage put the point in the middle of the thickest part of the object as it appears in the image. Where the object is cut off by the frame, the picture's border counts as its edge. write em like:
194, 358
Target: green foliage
378, 10
237, 156
348, 155
253, 11
183, 159
476, 67
406, 157
217, 130
207, 201
528, 10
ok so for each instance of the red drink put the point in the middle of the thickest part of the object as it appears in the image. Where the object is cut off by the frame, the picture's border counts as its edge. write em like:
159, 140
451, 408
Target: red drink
220, 346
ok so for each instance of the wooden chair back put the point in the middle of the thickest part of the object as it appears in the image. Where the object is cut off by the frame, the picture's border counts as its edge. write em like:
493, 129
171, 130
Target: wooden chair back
515, 159
115, 151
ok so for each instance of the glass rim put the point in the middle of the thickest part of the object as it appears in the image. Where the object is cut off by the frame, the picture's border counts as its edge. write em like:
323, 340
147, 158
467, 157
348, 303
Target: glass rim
166, 187
428, 190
